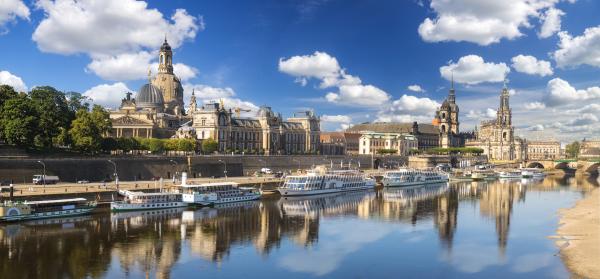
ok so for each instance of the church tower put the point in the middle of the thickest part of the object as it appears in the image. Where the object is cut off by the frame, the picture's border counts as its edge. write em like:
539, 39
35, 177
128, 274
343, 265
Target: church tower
447, 120
504, 113
168, 83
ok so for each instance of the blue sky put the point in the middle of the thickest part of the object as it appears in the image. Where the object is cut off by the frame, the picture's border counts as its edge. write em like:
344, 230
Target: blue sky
350, 61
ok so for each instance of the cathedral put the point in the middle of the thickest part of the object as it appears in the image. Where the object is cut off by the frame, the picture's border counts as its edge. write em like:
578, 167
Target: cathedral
497, 137
158, 111
446, 119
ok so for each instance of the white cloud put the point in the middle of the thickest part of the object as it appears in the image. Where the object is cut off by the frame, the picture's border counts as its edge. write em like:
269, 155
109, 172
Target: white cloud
16, 82
560, 92
482, 21
107, 95
584, 119
530, 65
472, 69
358, 95
119, 35
477, 114
10, 10
207, 94
326, 68
551, 22
574, 51
336, 118
319, 65
407, 109
537, 127
415, 88
535, 106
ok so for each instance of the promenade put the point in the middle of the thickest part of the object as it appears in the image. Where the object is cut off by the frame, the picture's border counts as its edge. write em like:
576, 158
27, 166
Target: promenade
29, 190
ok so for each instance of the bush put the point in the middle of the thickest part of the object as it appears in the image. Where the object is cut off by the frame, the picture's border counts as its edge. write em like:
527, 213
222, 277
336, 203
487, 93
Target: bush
209, 146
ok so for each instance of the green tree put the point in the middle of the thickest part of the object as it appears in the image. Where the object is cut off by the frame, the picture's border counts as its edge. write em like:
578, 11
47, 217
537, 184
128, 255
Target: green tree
88, 129
187, 145
572, 149
53, 113
209, 146
19, 121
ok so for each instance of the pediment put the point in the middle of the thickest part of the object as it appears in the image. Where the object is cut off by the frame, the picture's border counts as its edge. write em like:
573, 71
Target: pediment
128, 120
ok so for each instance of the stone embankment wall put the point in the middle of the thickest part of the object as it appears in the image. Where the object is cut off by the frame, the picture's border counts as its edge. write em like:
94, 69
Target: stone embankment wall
21, 170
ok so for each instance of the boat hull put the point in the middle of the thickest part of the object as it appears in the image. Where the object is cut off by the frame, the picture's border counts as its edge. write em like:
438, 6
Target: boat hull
48, 215
291, 192
198, 199
121, 206
413, 183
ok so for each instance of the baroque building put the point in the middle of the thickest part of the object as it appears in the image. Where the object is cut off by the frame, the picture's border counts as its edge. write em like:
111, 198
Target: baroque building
543, 150
427, 135
371, 143
497, 137
158, 111
446, 119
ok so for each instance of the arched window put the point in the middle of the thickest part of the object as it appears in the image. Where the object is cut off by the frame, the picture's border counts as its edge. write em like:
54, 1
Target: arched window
162, 59
443, 128
505, 135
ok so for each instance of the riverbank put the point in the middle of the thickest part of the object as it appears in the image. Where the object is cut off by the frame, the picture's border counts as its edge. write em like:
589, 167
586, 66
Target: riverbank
579, 236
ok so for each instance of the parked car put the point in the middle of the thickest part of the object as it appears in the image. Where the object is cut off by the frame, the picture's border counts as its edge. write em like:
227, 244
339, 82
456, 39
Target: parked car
83, 181
266, 171
278, 174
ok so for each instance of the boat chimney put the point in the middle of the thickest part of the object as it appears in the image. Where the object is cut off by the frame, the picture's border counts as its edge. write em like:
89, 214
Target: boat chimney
183, 178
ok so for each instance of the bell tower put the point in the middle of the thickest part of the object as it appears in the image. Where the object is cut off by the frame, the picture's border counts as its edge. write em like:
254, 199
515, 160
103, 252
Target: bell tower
165, 58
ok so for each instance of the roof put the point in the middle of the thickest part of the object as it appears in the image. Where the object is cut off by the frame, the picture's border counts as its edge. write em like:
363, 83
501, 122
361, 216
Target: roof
393, 127
214, 184
149, 96
128, 120
57, 201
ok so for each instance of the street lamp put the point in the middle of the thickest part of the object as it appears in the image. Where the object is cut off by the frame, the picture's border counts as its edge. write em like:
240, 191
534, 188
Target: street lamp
116, 175
43, 177
175, 167
225, 171
297, 162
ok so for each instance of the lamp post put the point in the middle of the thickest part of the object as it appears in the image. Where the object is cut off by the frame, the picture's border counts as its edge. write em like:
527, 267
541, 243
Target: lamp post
115, 174
175, 168
225, 171
43, 177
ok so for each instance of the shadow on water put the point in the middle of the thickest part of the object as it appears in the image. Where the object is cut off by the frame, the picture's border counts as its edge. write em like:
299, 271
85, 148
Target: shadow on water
427, 231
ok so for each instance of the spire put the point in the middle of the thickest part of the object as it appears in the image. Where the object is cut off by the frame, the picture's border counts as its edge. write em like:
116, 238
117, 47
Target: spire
149, 75
452, 80
451, 94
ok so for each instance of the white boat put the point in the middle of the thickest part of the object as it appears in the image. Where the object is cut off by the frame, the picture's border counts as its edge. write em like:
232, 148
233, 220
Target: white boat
532, 173
322, 181
147, 201
30, 210
411, 177
217, 193
510, 174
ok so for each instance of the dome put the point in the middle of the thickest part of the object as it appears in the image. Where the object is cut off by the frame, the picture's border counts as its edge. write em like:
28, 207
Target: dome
165, 46
264, 111
445, 104
149, 96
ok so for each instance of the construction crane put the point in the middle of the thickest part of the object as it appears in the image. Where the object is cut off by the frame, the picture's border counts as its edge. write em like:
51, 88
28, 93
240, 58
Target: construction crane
238, 110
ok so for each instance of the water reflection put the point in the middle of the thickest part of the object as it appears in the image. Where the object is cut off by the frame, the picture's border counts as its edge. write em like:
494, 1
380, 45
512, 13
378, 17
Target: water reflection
303, 235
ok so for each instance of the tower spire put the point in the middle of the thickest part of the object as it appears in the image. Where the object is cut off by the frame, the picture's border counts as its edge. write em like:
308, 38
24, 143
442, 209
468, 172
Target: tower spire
451, 95
452, 80
149, 75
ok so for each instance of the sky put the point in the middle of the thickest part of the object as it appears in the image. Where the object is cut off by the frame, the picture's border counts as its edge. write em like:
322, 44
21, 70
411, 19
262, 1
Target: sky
349, 61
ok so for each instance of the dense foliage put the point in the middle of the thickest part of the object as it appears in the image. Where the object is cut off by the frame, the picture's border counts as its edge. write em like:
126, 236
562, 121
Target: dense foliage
387, 151
572, 149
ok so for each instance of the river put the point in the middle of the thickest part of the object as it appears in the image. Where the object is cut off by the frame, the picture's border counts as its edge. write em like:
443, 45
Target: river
493, 229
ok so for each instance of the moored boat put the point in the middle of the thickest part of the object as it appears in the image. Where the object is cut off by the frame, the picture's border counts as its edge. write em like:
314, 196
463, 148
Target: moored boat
410, 177
509, 174
147, 201
217, 193
322, 181
30, 210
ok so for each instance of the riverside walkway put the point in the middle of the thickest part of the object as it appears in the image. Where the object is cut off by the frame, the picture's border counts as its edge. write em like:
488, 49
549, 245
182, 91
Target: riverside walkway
22, 191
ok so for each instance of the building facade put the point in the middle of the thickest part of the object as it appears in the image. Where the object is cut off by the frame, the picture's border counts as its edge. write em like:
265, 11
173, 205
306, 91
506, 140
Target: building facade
497, 137
427, 135
543, 150
333, 143
372, 142
265, 133
589, 148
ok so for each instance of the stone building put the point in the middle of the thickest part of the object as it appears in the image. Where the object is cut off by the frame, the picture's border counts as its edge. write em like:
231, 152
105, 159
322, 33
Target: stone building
157, 109
372, 142
543, 150
497, 137
589, 148
333, 143
266, 132
446, 119
427, 135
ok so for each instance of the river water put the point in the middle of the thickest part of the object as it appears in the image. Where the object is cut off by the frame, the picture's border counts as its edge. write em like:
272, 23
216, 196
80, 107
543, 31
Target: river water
494, 229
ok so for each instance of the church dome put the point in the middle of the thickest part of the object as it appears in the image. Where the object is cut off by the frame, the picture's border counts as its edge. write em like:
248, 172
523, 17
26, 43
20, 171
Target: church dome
149, 96
165, 46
